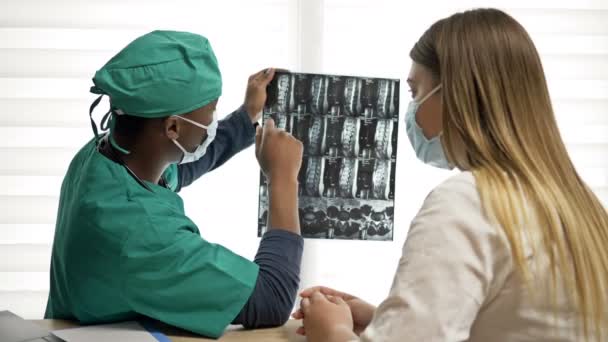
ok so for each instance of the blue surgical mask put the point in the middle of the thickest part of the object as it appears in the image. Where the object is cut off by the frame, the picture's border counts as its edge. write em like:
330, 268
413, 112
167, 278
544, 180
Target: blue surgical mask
430, 151
202, 148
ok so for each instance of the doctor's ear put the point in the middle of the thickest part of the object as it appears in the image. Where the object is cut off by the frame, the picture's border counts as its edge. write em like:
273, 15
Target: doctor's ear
171, 127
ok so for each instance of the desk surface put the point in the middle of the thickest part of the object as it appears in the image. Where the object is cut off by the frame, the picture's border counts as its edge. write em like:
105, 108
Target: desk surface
284, 333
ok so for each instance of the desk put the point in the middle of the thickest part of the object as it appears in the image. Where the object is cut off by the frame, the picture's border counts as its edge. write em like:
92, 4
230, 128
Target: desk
233, 334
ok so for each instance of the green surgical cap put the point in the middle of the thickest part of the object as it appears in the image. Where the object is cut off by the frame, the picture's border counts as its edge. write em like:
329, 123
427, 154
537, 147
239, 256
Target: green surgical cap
160, 74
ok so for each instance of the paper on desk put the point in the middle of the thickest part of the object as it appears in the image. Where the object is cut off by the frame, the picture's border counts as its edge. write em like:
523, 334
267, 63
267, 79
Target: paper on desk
119, 332
15, 329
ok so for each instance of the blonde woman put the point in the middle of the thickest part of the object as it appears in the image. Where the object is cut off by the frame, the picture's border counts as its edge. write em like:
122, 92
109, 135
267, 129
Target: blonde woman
514, 248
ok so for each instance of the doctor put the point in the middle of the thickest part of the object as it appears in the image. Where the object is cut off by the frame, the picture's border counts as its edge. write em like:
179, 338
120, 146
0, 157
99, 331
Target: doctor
124, 247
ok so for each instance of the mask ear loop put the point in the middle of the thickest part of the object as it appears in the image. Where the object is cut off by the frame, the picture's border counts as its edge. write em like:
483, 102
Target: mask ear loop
436, 89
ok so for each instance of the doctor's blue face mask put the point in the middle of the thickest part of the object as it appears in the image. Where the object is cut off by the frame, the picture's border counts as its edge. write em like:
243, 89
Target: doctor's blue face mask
429, 151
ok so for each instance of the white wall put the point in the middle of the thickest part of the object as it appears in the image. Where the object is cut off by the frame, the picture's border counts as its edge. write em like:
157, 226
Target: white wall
50, 50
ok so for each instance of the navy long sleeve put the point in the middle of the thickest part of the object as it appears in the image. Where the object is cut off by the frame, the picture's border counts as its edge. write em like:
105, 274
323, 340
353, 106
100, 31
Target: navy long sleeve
272, 300
279, 255
234, 134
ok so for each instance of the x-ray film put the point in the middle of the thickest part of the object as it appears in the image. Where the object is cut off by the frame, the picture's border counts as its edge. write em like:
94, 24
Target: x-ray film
348, 126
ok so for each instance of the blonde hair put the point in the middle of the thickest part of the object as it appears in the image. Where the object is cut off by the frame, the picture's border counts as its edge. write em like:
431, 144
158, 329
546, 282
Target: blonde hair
498, 122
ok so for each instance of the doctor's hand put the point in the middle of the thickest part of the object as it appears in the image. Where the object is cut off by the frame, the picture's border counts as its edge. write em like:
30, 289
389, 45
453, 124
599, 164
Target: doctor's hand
362, 312
255, 97
278, 152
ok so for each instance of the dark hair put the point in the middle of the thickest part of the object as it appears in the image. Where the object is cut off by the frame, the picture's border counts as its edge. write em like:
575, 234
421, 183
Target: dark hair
129, 127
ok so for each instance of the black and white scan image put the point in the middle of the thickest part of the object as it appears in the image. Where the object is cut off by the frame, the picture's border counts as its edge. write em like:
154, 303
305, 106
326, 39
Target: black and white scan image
349, 128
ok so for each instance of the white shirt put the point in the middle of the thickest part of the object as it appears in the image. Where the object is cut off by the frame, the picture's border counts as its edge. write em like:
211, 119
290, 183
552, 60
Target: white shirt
456, 280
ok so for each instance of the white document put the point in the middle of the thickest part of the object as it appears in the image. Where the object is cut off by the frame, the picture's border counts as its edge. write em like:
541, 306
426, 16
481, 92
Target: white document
119, 332
15, 329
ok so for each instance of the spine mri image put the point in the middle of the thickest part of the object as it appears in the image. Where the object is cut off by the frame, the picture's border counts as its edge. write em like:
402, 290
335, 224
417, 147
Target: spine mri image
348, 126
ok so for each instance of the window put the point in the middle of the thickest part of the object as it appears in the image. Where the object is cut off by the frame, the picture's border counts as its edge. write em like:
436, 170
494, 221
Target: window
49, 52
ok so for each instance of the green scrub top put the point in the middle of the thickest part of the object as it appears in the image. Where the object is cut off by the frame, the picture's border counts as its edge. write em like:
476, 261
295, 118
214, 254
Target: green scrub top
121, 251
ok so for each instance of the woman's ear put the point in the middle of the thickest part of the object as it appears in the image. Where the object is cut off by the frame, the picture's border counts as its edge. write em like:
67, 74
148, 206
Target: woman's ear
171, 127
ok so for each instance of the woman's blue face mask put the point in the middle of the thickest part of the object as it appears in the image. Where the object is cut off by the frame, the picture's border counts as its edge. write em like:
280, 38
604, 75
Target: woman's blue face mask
429, 151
